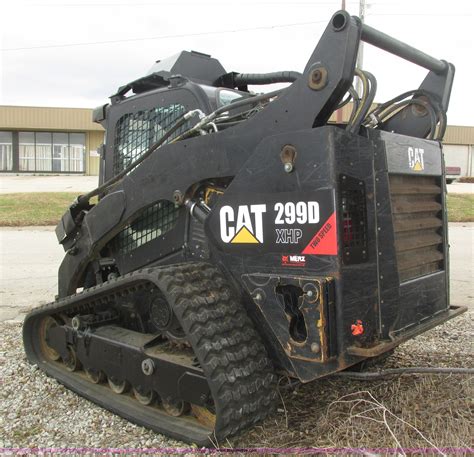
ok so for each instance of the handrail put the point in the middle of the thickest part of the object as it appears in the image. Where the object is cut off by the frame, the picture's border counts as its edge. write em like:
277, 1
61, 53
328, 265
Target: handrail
387, 43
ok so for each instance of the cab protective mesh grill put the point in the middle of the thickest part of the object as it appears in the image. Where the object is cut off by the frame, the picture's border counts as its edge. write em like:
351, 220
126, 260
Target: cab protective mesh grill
154, 222
136, 132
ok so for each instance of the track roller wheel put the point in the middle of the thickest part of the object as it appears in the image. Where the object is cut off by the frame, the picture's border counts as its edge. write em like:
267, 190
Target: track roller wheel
177, 335
175, 407
144, 397
118, 386
47, 323
72, 362
95, 376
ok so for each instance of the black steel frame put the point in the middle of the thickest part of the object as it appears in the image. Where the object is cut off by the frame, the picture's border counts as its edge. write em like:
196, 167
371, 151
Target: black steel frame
368, 290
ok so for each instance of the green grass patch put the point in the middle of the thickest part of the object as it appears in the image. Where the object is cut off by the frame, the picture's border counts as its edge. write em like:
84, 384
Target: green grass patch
43, 208
461, 207
46, 208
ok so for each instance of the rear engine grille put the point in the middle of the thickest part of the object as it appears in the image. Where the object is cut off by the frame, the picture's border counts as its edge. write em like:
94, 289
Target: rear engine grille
418, 224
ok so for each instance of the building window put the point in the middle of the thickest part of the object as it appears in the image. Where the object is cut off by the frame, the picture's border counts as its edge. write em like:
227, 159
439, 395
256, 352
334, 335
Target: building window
27, 151
43, 151
77, 146
56, 152
6, 156
60, 152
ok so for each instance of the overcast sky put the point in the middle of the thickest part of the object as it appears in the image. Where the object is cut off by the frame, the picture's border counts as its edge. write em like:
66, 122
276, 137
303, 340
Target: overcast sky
59, 69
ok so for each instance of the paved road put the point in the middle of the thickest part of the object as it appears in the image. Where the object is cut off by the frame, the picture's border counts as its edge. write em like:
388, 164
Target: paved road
30, 258
461, 188
62, 183
74, 183
461, 241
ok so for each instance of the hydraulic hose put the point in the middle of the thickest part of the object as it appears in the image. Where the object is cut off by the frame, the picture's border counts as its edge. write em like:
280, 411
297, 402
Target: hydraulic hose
237, 104
179, 123
369, 84
351, 94
385, 116
369, 375
379, 113
266, 78
84, 199
244, 101
367, 100
381, 374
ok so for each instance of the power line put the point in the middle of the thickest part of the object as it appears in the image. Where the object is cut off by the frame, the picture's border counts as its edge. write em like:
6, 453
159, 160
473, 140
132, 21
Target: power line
360, 54
418, 14
162, 37
221, 4
270, 27
133, 4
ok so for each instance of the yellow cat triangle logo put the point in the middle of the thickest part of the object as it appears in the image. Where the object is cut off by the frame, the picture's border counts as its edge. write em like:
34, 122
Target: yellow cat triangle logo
418, 166
244, 236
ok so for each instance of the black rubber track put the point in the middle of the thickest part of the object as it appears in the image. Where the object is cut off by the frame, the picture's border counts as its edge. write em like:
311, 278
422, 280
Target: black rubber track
224, 340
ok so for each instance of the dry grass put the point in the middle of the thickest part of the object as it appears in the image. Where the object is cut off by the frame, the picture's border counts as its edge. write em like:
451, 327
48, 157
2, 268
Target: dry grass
411, 411
406, 412
44, 208
461, 207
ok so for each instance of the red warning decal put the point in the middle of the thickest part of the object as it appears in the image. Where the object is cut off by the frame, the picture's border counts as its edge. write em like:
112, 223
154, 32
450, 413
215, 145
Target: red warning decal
357, 328
325, 241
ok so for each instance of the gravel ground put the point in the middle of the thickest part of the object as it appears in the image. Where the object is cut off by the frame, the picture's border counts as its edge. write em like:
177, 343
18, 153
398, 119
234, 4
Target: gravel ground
11, 183
37, 412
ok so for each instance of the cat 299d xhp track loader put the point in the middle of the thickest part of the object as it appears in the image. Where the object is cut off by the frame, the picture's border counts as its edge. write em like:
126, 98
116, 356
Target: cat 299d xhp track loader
237, 237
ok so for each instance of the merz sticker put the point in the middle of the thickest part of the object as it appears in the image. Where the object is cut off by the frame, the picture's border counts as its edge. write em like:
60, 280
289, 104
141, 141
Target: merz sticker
293, 260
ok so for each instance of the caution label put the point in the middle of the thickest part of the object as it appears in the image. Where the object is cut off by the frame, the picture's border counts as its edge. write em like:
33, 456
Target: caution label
325, 241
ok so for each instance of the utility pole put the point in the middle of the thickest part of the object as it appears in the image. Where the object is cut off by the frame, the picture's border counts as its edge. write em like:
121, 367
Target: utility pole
360, 55
339, 115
